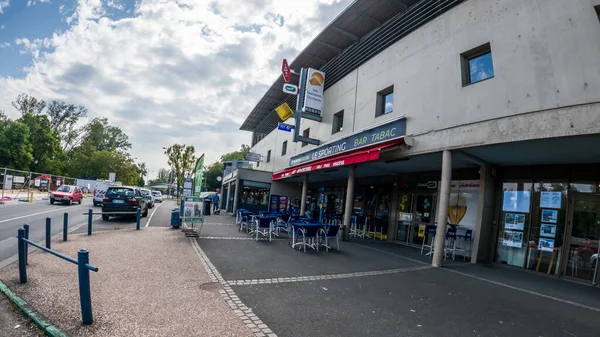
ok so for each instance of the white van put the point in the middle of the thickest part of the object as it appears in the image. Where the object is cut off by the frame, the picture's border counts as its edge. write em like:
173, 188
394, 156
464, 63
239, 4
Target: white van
100, 190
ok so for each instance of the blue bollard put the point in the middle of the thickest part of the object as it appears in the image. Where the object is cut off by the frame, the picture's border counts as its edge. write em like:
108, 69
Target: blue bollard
48, 231
138, 215
85, 296
26, 228
22, 262
90, 211
65, 226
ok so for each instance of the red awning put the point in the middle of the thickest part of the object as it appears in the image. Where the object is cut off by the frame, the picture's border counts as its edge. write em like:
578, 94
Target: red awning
355, 157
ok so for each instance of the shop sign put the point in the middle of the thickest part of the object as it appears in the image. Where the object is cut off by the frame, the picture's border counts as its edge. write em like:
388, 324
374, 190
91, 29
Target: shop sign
333, 163
291, 89
313, 94
18, 180
382, 133
251, 156
284, 111
286, 71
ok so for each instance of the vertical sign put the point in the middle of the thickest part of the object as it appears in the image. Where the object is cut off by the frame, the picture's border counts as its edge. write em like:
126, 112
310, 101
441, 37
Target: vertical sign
112, 177
286, 71
313, 95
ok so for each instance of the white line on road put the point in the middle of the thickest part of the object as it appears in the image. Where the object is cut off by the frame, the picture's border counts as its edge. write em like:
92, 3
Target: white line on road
151, 215
44, 212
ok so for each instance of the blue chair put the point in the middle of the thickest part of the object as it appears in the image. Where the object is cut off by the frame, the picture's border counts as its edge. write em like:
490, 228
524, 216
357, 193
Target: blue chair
330, 232
245, 221
283, 223
430, 231
450, 242
308, 233
264, 227
467, 237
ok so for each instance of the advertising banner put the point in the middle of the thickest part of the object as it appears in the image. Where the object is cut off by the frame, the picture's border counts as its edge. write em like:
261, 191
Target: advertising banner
198, 175
192, 209
18, 180
8, 180
274, 203
313, 95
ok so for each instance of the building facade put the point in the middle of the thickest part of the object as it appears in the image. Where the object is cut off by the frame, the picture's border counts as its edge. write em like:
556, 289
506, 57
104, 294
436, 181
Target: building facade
491, 109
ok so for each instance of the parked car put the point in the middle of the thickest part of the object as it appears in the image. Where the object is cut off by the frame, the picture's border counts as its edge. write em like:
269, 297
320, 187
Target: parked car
100, 190
148, 196
123, 199
66, 194
157, 196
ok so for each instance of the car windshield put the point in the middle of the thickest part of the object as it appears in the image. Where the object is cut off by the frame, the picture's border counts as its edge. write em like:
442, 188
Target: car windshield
119, 193
156, 194
145, 193
64, 188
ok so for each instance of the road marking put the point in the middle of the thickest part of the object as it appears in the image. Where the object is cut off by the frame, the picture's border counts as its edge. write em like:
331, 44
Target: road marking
275, 280
39, 213
151, 215
243, 238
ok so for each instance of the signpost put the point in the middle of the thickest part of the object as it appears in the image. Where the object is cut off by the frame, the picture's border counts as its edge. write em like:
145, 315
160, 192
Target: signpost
285, 127
286, 71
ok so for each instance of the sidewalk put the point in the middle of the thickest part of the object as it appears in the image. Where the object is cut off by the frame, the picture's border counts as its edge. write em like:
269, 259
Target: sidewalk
150, 283
13, 323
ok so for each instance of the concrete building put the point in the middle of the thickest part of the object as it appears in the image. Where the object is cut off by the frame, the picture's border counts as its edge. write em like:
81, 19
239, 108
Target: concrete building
489, 108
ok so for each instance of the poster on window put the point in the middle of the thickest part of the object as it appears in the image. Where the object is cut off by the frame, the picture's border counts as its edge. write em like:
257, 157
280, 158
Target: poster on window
514, 221
512, 239
549, 215
546, 245
274, 203
548, 230
516, 201
462, 205
283, 204
550, 199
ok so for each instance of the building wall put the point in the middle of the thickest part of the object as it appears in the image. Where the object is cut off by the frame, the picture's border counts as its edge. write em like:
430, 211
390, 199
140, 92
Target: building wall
545, 57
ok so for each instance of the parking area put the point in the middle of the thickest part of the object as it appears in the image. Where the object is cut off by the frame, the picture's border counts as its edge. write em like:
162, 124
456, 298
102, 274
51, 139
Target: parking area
381, 289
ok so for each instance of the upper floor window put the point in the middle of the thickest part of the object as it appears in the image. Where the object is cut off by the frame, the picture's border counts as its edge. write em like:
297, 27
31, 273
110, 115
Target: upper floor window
385, 102
284, 148
268, 156
305, 133
477, 64
338, 122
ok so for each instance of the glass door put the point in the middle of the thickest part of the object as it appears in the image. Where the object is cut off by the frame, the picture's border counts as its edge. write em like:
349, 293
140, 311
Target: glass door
423, 215
583, 239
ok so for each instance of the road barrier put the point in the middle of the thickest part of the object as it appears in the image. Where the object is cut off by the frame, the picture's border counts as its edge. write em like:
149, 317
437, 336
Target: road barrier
83, 270
90, 213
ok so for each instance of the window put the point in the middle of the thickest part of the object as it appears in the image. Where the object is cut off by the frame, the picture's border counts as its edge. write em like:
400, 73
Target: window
385, 102
269, 156
597, 8
284, 148
305, 133
477, 64
338, 122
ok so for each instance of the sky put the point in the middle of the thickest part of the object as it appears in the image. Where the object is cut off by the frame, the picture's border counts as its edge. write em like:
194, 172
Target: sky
165, 71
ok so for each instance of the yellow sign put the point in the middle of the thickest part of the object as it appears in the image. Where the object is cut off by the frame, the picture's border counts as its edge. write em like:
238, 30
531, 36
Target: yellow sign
284, 111
421, 232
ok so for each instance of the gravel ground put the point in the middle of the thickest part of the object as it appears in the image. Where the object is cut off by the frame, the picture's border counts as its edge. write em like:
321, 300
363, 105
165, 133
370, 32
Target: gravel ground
13, 323
150, 283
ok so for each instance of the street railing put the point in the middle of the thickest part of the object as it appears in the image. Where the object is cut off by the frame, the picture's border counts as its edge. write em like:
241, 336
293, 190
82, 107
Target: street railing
90, 213
23, 183
83, 269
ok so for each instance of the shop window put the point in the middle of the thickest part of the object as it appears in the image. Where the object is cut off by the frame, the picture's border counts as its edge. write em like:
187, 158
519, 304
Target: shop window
338, 122
514, 222
305, 133
284, 148
385, 102
477, 65
268, 156
582, 187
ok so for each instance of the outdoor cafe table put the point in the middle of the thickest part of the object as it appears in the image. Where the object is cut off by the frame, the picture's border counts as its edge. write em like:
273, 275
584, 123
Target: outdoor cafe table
304, 224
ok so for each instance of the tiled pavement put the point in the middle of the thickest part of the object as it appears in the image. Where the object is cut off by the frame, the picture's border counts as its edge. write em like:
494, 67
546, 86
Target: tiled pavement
380, 289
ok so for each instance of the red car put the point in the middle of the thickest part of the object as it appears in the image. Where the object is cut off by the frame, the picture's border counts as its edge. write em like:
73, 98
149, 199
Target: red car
67, 194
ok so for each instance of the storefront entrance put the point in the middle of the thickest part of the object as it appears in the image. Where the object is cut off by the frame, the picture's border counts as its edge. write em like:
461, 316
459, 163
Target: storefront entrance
415, 211
582, 239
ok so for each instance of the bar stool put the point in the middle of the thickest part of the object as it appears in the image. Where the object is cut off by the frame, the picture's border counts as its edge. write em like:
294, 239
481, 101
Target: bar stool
467, 238
430, 231
450, 242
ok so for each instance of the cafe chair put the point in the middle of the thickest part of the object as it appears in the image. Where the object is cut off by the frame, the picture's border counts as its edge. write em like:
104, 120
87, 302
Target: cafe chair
283, 223
264, 227
378, 228
467, 239
354, 231
329, 232
451, 247
308, 234
430, 231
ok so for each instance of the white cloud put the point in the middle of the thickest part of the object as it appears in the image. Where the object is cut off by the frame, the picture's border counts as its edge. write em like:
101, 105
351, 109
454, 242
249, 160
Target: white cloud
4, 44
115, 4
4, 4
34, 2
2, 27
186, 71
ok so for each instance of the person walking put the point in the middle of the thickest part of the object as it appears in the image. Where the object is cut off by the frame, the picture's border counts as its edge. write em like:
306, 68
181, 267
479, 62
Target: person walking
215, 200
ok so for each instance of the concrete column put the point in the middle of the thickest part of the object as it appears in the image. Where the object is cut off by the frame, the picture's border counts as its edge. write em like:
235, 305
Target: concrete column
442, 212
485, 227
228, 196
235, 198
349, 201
304, 192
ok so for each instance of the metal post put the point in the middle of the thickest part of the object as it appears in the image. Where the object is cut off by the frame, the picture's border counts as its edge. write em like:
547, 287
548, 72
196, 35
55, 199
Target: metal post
26, 228
349, 201
594, 281
90, 211
138, 214
22, 263
3, 184
85, 296
304, 192
29, 196
442, 212
65, 226
48, 231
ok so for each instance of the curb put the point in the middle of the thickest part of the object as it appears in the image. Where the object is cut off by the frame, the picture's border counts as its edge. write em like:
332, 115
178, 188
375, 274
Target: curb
39, 320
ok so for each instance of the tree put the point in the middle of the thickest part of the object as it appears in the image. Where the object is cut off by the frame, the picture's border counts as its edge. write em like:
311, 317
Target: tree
46, 149
211, 173
63, 120
3, 116
236, 155
28, 105
143, 171
105, 137
182, 159
15, 148
163, 176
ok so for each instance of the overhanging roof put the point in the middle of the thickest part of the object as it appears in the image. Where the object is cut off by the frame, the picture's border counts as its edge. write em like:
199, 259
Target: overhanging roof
360, 32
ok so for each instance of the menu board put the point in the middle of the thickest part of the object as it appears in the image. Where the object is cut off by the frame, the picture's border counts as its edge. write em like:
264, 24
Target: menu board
550, 199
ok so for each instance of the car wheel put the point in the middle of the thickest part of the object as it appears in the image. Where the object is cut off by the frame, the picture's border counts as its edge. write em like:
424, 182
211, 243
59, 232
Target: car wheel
79, 201
51, 201
70, 202
105, 217
145, 214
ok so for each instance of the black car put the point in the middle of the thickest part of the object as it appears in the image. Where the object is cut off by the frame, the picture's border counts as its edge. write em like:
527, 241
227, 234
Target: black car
123, 199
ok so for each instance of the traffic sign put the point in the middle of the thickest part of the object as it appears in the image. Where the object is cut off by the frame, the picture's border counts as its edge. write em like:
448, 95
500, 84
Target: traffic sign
285, 70
285, 127
291, 89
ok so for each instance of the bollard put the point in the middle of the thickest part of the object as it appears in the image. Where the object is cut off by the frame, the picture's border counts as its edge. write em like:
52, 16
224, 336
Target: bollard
85, 296
48, 231
65, 226
22, 262
90, 211
138, 215
26, 228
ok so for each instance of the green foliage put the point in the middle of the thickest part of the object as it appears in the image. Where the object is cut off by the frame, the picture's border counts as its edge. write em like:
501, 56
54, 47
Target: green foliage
236, 155
182, 159
15, 148
211, 173
44, 141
